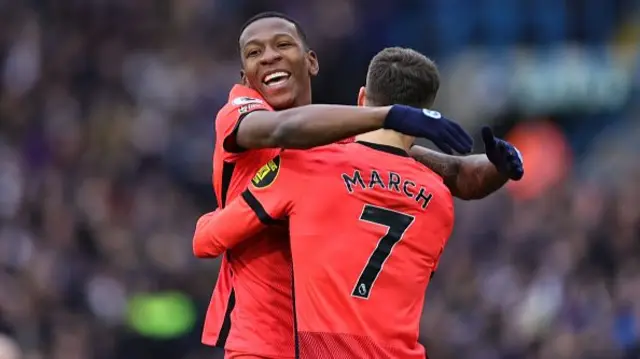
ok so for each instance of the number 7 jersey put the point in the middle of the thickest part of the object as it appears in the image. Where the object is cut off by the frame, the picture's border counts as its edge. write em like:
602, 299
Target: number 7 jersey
367, 225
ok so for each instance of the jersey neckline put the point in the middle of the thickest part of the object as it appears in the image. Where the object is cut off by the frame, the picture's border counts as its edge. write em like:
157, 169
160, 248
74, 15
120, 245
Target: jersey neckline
385, 148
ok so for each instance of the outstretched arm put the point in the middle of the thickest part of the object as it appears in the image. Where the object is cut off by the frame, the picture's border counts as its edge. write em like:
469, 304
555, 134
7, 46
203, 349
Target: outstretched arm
476, 176
307, 126
316, 125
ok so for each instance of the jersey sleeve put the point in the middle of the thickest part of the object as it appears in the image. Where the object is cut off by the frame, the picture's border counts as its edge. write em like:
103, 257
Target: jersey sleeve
437, 263
273, 190
443, 233
229, 120
269, 198
222, 229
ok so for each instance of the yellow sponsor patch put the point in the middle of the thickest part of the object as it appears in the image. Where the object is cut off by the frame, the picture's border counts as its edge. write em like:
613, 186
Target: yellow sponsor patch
267, 174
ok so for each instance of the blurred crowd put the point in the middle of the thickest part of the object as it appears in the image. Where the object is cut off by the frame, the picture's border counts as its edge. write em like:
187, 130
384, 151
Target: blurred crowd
106, 111
555, 277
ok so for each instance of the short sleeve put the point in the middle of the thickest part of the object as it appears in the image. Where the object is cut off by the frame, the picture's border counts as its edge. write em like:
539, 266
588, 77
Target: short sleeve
274, 188
437, 263
443, 233
229, 118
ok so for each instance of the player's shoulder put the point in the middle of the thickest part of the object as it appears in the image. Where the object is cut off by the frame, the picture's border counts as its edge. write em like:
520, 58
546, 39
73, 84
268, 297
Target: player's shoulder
376, 154
399, 162
288, 163
318, 155
297, 165
242, 100
313, 160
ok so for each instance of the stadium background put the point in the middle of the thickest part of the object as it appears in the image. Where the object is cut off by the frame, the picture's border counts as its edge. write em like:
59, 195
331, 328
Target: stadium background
106, 112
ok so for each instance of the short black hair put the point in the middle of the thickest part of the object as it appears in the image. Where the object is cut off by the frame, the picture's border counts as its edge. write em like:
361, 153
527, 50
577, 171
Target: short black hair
279, 15
403, 76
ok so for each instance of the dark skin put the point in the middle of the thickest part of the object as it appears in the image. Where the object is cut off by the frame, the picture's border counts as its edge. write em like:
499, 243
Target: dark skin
273, 45
469, 177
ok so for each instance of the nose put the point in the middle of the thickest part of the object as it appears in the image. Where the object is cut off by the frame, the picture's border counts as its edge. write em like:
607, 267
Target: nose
270, 55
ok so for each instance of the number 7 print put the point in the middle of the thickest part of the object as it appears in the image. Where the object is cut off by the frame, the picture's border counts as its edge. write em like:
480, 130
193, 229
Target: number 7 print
397, 224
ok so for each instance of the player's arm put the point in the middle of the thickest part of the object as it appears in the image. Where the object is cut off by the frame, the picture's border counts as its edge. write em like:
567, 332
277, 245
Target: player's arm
222, 229
475, 176
470, 177
307, 126
316, 125
268, 199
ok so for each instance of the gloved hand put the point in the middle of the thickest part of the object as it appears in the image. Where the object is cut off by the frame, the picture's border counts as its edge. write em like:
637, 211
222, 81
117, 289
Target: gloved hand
424, 123
503, 155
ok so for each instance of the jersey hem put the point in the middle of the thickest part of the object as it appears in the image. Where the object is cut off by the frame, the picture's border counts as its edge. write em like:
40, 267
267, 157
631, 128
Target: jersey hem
211, 342
257, 353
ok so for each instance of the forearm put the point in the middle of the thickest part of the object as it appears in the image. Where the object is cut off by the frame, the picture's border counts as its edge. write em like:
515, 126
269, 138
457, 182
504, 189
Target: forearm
478, 178
223, 229
470, 177
308, 126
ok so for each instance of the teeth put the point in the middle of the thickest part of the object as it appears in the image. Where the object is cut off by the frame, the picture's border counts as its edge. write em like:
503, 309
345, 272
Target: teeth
277, 82
275, 75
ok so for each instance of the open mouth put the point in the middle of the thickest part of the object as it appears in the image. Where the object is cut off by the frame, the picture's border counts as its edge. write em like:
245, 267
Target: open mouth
276, 78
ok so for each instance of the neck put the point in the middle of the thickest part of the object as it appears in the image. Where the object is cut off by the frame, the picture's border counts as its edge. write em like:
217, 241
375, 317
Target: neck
303, 100
387, 137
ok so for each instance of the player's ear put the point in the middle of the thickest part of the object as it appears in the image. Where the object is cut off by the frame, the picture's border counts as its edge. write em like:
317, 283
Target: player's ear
362, 95
243, 78
312, 63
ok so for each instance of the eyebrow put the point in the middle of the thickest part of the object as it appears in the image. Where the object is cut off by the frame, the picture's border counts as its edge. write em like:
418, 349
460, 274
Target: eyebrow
256, 41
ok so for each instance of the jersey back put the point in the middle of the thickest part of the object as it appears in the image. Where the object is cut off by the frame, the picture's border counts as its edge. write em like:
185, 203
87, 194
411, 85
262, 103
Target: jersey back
368, 227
